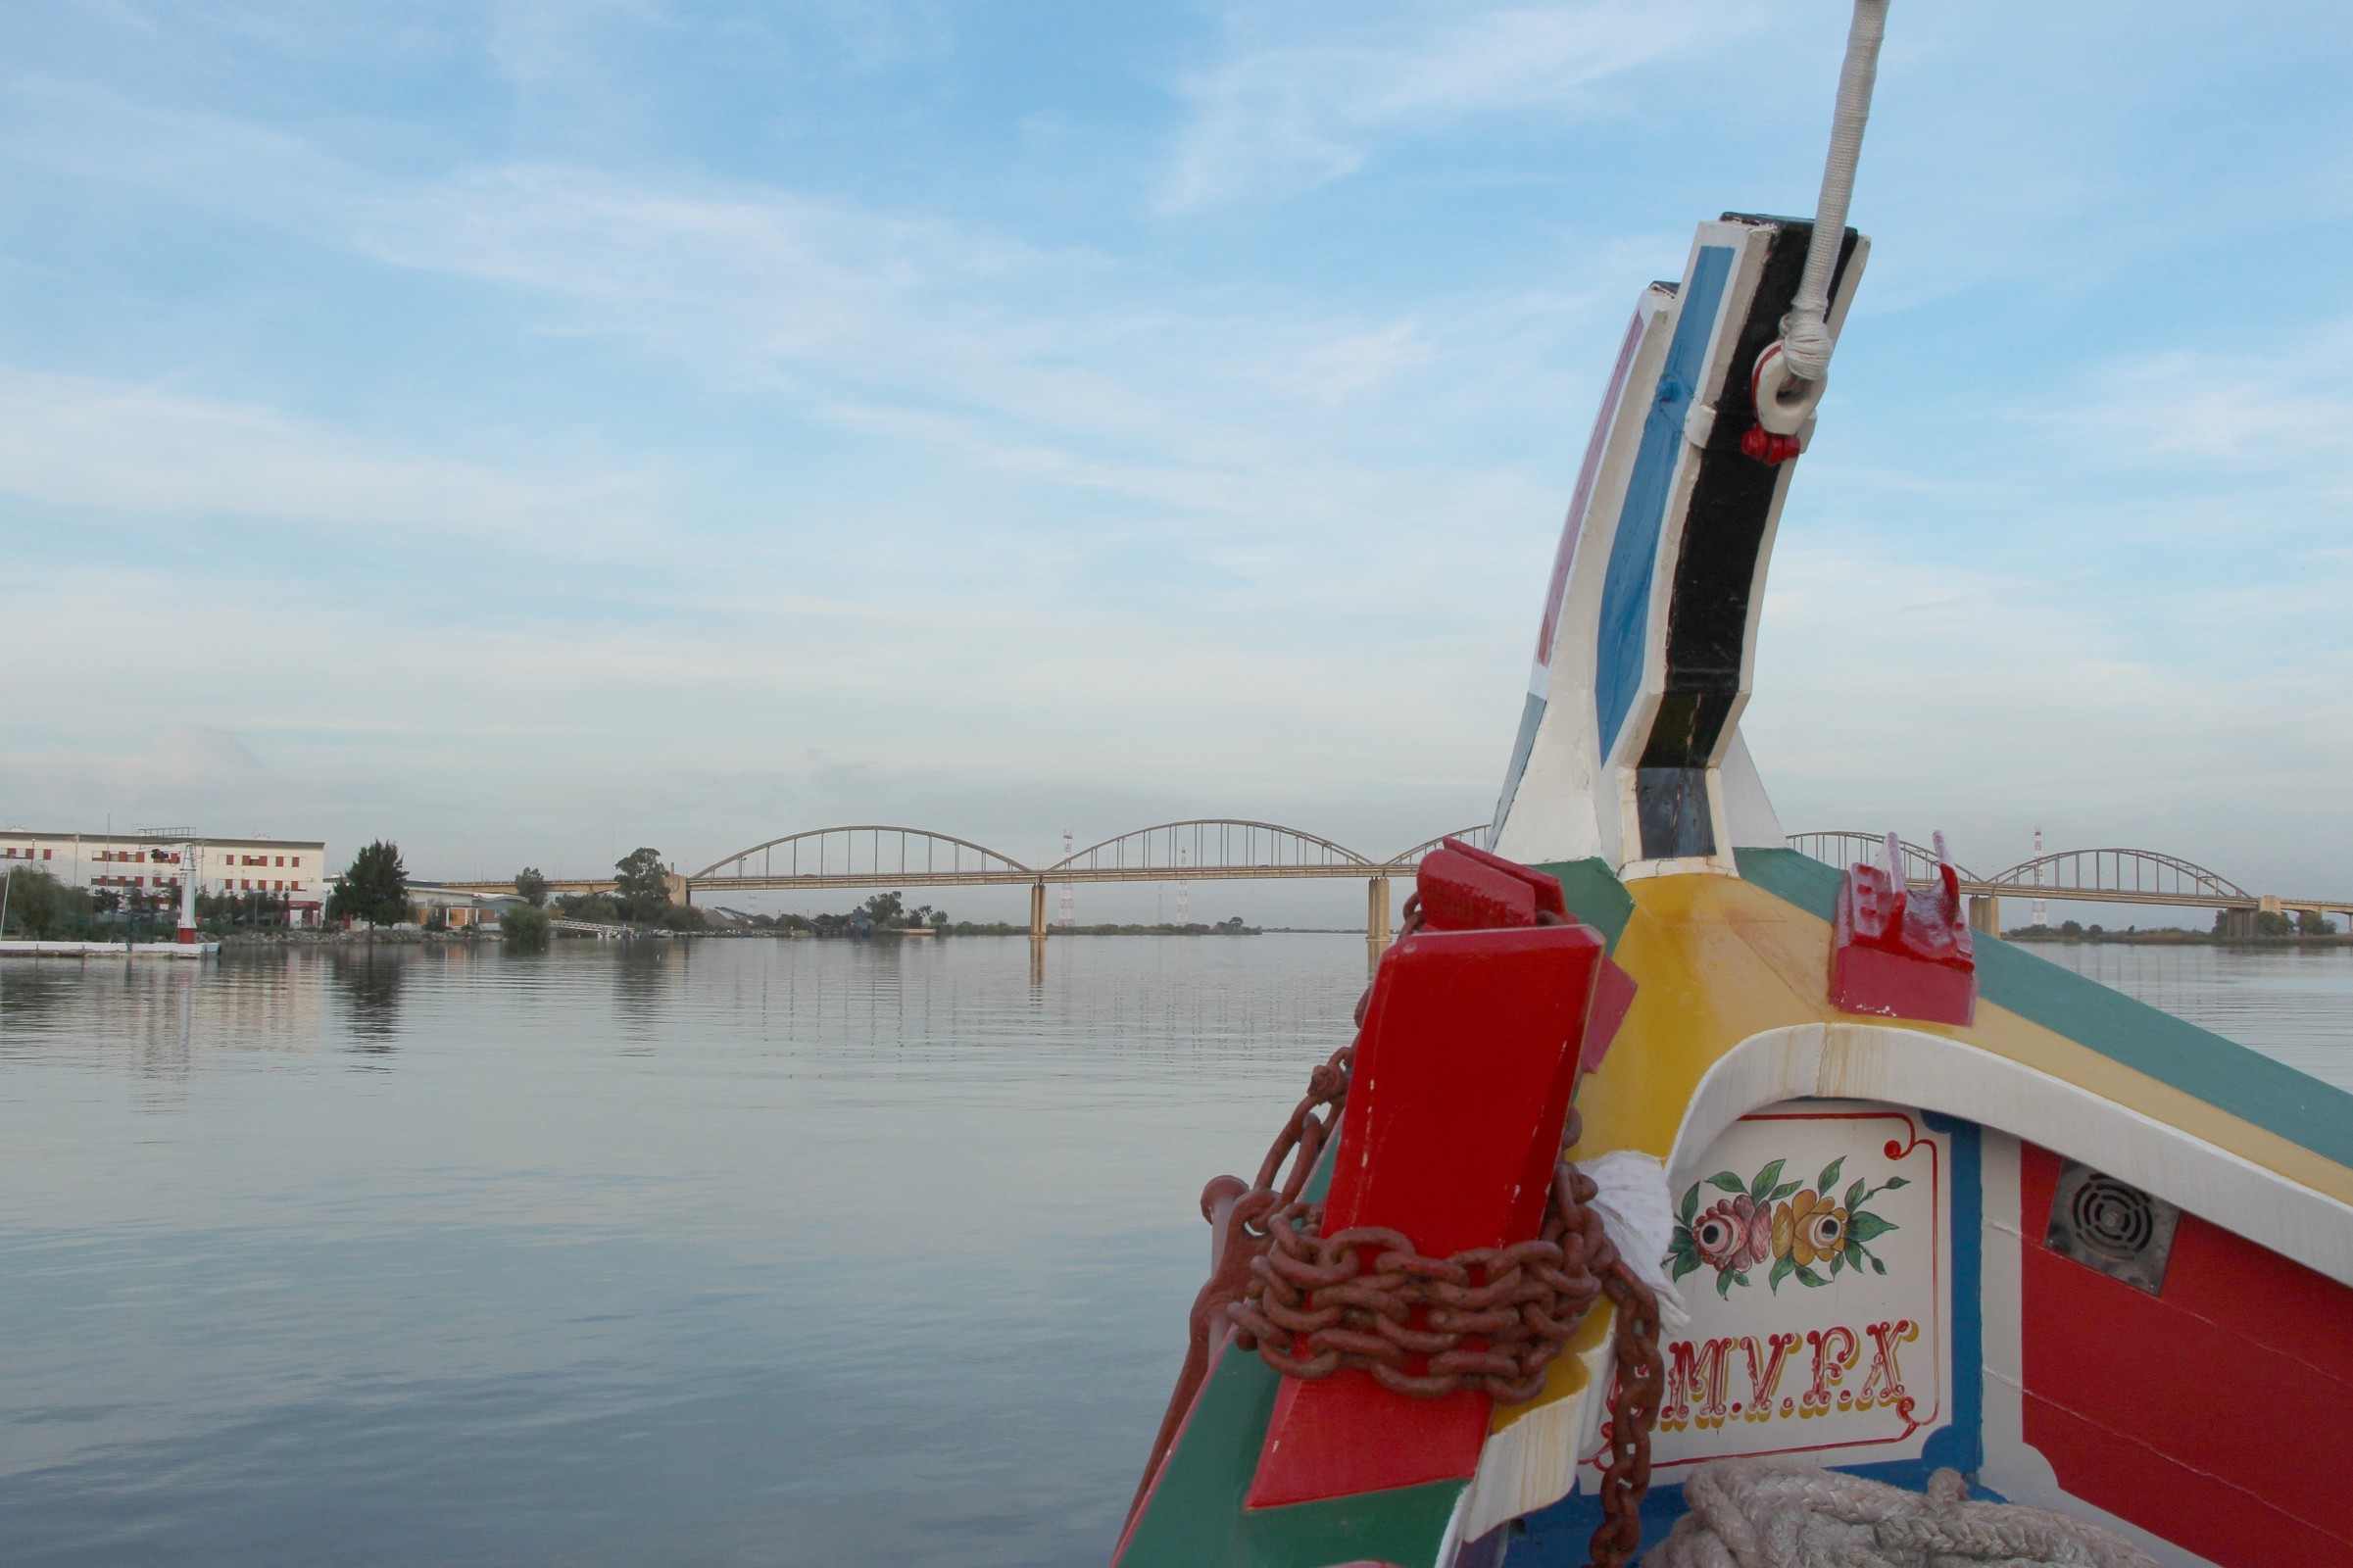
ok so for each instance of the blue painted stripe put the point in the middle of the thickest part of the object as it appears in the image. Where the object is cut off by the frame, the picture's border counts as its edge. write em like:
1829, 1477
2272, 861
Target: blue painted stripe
1625, 622
1531, 715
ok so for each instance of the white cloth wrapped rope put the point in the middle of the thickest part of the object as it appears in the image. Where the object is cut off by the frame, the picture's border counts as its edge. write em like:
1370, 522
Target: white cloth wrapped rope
1638, 1211
1757, 1513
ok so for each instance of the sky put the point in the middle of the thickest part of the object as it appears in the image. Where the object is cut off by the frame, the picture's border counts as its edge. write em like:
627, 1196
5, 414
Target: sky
528, 431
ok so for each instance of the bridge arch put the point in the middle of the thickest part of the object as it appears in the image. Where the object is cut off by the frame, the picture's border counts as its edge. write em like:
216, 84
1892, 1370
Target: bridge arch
1210, 848
865, 851
1843, 847
2117, 871
1476, 836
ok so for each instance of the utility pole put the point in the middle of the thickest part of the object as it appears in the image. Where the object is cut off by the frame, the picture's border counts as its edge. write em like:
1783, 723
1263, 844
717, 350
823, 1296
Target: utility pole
2042, 917
1069, 911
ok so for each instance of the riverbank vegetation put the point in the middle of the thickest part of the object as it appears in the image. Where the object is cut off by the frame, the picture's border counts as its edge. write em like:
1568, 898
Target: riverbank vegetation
2304, 926
888, 915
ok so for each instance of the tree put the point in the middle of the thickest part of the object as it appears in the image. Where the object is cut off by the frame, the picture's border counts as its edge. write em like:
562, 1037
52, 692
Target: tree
375, 888
36, 901
641, 887
2313, 923
532, 886
525, 928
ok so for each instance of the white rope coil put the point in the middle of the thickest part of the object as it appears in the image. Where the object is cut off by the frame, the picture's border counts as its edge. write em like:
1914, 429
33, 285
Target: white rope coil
1805, 330
1757, 1513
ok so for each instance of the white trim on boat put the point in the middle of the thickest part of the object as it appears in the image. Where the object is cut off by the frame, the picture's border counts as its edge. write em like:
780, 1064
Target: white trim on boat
1909, 1067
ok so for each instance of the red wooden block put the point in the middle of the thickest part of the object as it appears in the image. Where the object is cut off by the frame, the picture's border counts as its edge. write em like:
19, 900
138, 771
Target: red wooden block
1464, 1071
1901, 954
1459, 894
1549, 896
1613, 998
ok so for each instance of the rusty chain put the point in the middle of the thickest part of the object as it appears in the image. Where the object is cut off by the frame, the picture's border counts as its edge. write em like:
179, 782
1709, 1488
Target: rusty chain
1494, 1318
1491, 1318
1633, 1415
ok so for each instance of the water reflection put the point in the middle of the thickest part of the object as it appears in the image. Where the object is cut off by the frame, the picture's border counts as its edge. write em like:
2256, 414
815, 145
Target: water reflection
368, 981
645, 974
883, 1256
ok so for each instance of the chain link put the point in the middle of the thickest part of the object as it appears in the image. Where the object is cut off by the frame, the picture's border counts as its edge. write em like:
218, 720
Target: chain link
1491, 1317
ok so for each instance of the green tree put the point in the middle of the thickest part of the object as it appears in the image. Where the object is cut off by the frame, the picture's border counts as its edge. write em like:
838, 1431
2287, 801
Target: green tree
375, 888
885, 910
532, 886
36, 901
2272, 923
525, 928
641, 887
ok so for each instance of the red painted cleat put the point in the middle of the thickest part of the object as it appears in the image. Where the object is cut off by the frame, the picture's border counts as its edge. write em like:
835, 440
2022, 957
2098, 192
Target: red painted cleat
1900, 954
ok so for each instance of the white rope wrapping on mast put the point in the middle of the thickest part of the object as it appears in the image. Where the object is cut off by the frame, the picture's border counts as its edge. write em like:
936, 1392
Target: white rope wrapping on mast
1805, 331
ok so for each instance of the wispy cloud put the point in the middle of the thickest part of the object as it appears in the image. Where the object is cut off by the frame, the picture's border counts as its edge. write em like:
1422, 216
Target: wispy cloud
2263, 403
1303, 97
160, 453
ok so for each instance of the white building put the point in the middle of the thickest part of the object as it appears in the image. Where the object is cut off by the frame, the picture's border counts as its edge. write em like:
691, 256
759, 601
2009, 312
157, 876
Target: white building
150, 861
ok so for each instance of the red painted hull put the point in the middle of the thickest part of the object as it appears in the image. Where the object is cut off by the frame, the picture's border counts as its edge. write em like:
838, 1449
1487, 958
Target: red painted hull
2217, 1413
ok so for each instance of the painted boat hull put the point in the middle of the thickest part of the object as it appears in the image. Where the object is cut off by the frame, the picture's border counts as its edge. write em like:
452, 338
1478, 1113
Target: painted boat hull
2088, 1254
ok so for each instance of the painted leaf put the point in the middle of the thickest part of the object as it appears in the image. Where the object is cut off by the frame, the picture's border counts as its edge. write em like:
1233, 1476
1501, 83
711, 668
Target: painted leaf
1877, 1268
1867, 1226
1893, 1182
1728, 1181
1724, 1279
1808, 1277
1837, 1261
1783, 1267
1830, 1175
1854, 1193
1852, 1252
1765, 1179
1685, 1263
1781, 1192
1690, 1205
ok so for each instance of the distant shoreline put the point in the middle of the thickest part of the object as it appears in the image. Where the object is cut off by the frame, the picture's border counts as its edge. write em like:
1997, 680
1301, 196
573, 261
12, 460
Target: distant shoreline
2029, 936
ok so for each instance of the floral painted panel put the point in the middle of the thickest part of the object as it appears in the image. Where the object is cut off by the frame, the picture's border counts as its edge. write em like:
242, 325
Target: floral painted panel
1809, 1232
1812, 1245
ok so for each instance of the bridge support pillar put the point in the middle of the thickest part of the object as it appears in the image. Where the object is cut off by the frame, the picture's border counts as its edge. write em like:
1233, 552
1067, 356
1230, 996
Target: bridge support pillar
1376, 913
1037, 912
2239, 925
1986, 913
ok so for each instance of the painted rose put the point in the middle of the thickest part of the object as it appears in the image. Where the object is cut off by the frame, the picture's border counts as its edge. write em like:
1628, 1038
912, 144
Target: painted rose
1808, 1228
1734, 1233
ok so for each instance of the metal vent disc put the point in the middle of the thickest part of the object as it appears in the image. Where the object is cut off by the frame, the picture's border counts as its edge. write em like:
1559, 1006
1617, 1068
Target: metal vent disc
2111, 1226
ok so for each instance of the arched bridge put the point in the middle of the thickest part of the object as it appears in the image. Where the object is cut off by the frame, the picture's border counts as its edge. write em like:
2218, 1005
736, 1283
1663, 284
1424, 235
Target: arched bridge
1196, 849
2088, 876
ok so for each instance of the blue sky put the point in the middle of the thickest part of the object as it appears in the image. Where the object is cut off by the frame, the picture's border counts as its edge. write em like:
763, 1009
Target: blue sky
529, 431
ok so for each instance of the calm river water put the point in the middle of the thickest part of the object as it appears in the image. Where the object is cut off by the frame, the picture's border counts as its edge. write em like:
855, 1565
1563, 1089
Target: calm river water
713, 1254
